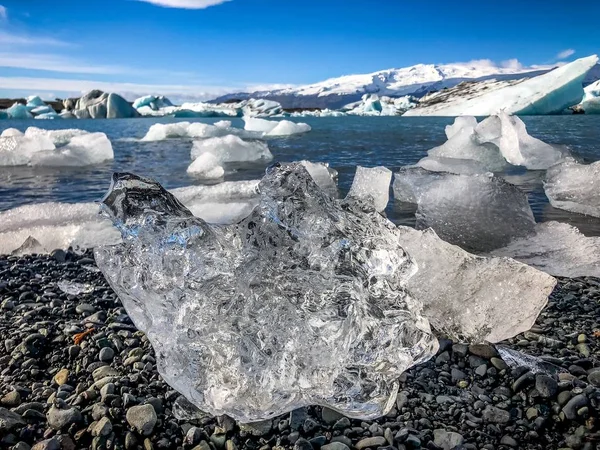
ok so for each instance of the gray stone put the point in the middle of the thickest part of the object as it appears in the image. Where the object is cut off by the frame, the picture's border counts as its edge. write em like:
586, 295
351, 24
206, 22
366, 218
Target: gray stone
104, 372
509, 441
106, 354
481, 370
495, 415
48, 444
447, 440
335, 446
330, 416
573, 405
546, 386
12, 399
498, 364
142, 418
61, 418
594, 378
483, 350
9, 420
102, 428
372, 442
303, 444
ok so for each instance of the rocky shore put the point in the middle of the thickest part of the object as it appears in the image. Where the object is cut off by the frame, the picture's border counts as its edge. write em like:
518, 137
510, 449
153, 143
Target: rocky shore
75, 373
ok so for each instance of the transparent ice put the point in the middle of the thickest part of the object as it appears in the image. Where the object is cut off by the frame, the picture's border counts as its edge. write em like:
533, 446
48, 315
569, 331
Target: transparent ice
574, 187
300, 303
372, 185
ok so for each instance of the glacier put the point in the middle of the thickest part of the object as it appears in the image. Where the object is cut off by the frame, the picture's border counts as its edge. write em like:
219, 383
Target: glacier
558, 249
300, 303
549, 93
37, 147
574, 187
471, 298
477, 212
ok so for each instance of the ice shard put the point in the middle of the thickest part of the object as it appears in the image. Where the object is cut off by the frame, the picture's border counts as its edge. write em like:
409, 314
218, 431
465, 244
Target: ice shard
574, 187
372, 184
477, 212
472, 298
302, 302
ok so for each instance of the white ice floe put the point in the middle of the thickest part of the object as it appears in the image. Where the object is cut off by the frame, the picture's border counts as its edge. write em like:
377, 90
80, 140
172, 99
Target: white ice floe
231, 148
372, 184
318, 113
549, 93
472, 298
79, 225
558, 249
37, 147
591, 99
490, 145
152, 101
374, 105
206, 166
574, 187
162, 131
275, 128
477, 212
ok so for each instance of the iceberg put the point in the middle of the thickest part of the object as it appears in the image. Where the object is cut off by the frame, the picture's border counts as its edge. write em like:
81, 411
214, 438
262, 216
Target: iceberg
101, 105
273, 128
154, 102
472, 298
231, 148
574, 187
162, 131
34, 101
476, 212
18, 111
374, 105
37, 147
301, 303
372, 185
550, 93
259, 108
558, 249
591, 100
206, 166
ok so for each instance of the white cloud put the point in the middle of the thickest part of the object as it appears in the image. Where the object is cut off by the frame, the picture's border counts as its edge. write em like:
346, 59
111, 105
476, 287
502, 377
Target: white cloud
185, 4
3, 13
268, 87
21, 39
74, 88
55, 63
513, 64
565, 53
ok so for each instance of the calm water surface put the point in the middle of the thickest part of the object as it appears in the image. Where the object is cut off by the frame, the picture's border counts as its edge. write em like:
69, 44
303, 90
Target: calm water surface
342, 142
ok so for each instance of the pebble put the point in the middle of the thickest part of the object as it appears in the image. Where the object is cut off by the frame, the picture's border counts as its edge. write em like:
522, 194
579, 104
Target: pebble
447, 440
61, 377
59, 418
142, 419
106, 354
495, 415
546, 385
375, 441
47, 444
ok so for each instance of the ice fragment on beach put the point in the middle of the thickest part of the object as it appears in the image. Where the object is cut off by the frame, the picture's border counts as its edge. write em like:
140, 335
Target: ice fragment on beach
74, 288
300, 303
372, 185
558, 249
472, 298
515, 359
477, 212
574, 187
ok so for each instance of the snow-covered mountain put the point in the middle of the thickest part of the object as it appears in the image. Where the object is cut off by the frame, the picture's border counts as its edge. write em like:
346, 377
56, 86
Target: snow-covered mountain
415, 80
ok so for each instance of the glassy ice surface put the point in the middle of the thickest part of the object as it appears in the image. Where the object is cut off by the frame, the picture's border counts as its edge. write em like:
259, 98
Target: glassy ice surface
372, 185
300, 303
477, 212
515, 359
472, 298
574, 187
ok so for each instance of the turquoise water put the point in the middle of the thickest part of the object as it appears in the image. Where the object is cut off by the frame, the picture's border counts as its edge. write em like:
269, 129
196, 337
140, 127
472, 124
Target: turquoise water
343, 142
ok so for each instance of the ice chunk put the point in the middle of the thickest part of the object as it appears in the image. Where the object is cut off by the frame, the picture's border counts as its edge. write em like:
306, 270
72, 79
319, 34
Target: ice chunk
549, 93
206, 166
19, 111
374, 105
162, 131
574, 187
558, 249
273, 128
30, 246
18, 150
34, 101
231, 148
45, 109
58, 137
154, 102
477, 212
509, 134
49, 115
515, 359
82, 150
372, 185
223, 124
101, 105
323, 175
11, 132
468, 122
74, 288
260, 107
301, 303
472, 298
451, 165
119, 108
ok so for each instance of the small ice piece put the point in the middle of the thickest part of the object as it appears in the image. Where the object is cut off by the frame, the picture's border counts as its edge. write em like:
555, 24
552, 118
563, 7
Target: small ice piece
206, 166
468, 122
45, 109
574, 187
372, 186
183, 409
231, 148
509, 134
451, 165
274, 128
516, 359
223, 124
301, 303
30, 246
477, 212
323, 175
558, 249
83, 150
472, 298
75, 288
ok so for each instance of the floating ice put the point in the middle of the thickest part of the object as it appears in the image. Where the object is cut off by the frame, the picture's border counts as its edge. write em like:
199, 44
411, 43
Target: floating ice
18, 111
162, 131
374, 105
471, 298
300, 303
558, 249
102, 105
260, 107
451, 165
591, 99
152, 101
549, 93
372, 185
477, 212
468, 122
18, 150
231, 148
574, 187
206, 166
274, 128
11, 132
34, 101
82, 150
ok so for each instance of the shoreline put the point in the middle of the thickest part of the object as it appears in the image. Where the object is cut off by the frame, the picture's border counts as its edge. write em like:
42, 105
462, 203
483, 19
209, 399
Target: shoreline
95, 394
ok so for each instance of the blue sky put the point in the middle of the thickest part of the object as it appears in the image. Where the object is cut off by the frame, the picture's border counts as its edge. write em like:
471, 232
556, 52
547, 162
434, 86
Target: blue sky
202, 48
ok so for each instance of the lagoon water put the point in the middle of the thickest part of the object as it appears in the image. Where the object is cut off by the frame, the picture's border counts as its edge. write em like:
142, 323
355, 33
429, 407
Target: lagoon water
343, 142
